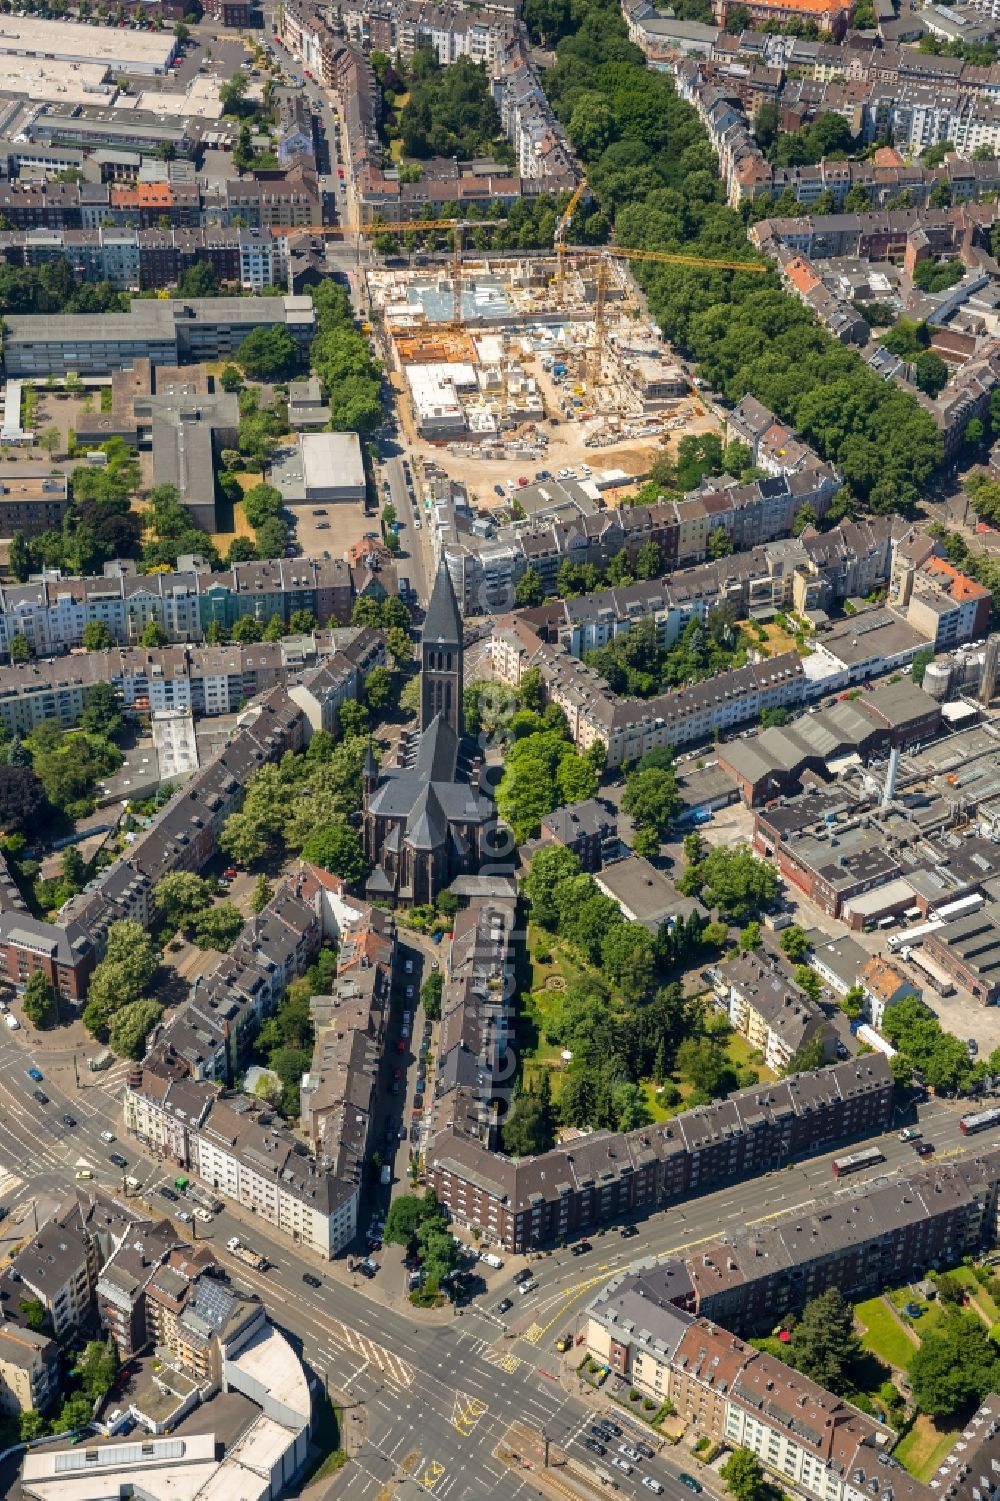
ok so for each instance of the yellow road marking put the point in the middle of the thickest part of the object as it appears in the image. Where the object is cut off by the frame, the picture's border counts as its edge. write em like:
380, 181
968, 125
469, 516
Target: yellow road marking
466, 1413
432, 1475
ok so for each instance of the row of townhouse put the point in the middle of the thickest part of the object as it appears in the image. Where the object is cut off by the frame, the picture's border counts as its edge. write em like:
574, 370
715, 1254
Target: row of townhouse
814, 571
807, 1438
866, 1241
774, 1014
150, 259
490, 35
900, 235
52, 612
289, 200
182, 836
402, 27
600, 1177
320, 672
485, 571
477, 1021
176, 1102
628, 728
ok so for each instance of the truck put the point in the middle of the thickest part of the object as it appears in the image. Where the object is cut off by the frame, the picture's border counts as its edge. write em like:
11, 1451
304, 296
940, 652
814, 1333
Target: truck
247, 1255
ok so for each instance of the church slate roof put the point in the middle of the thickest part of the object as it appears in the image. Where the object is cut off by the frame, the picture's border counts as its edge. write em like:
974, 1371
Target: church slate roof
443, 621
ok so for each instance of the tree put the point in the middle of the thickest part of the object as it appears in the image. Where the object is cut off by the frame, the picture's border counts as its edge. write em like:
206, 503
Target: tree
338, 850
744, 1476
737, 882
20, 651
301, 622
129, 964
430, 994
96, 636
920, 664
247, 630
49, 439
794, 943
528, 1127
22, 800
269, 354
627, 958
261, 895
129, 1027
153, 635
353, 719
651, 798
528, 591
101, 714
954, 1364
646, 843
218, 927
720, 544
808, 980
31, 1425
750, 938
400, 645
405, 1216
930, 373
824, 1344
180, 897
32, 1312
39, 1001
550, 868
231, 379
243, 839
379, 691
19, 559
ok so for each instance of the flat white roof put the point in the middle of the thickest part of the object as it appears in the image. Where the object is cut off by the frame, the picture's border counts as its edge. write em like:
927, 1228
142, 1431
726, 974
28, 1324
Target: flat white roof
262, 1446
870, 902
270, 1360
112, 45
201, 98
55, 80
171, 1469
332, 459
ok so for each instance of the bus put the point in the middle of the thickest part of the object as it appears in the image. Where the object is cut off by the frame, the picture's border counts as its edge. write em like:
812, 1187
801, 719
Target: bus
855, 1161
981, 1121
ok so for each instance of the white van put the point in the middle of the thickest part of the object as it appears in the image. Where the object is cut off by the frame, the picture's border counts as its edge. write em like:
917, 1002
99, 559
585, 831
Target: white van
491, 1260
12, 1022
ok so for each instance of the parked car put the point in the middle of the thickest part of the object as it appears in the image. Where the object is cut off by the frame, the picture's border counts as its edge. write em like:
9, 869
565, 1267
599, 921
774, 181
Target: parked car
629, 1452
594, 1446
581, 1248
622, 1464
611, 1427
690, 1482
629, 1231
168, 1193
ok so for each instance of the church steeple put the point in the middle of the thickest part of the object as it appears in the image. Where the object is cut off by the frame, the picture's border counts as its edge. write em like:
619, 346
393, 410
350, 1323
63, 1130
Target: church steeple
441, 680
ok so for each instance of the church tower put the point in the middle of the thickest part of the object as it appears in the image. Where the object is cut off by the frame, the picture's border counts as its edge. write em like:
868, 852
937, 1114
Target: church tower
441, 680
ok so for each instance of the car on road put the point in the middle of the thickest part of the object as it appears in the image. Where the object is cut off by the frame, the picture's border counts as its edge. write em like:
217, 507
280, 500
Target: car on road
311, 1280
504, 1306
527, 1287
629, 1231
611, 1427
690, 1482
40, 1096
183, 1215
524, 1275
644, 1450
498, 489
652, 1485
923, 1148
203, 1215
396, 1086
69, 1120
36, 1074
400, 1046
117, 1159
621, 1464
108, 1136
594, 1446
581, 1248
909, 1133
629, 1453
168, 1193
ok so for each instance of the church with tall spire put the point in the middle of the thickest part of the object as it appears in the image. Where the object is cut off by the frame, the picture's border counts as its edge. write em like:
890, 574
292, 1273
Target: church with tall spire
426, 818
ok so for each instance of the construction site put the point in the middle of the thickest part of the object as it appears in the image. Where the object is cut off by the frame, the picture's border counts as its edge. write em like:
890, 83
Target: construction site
530, 358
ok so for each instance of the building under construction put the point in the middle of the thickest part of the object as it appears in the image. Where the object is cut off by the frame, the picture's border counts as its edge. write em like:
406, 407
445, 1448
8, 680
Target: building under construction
487, 347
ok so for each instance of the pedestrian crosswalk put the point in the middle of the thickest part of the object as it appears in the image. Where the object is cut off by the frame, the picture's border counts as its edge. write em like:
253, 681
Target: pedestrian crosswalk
9, 1183
393, 1367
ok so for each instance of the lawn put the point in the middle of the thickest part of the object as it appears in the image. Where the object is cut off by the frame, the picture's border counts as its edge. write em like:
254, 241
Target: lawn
924, 1447
883, 1335
548, 978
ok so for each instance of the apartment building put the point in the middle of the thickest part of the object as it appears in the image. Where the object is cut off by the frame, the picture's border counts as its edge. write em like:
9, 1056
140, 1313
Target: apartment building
728, 1391
774, 1014
600, 1177
124, 1280
31, 503
628, 728
57, 1267
29, 1370
941, 601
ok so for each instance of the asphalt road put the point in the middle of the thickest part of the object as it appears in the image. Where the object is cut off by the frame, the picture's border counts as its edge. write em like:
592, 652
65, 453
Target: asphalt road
432, 1400
415, 564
